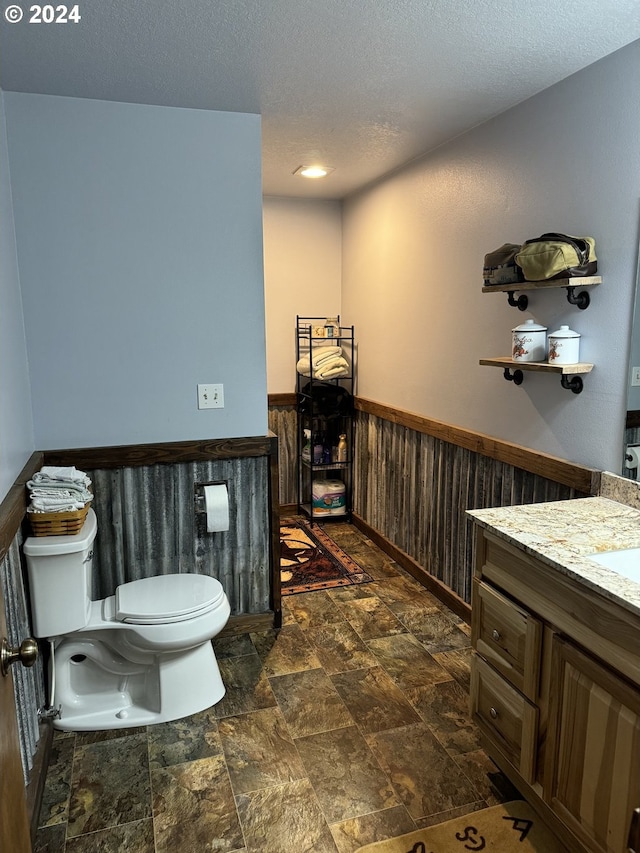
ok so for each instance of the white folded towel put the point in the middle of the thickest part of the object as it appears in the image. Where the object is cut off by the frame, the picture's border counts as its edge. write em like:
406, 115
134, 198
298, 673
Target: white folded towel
59, 490
324, 353
319, 357
54, 505
69, 494
67, 473
332, 369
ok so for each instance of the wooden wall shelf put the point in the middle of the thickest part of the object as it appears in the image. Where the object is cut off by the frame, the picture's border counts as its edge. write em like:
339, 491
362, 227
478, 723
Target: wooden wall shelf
563, 370
582, 299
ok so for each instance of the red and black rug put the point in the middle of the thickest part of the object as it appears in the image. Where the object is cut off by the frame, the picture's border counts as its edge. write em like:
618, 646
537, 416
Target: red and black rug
311, 560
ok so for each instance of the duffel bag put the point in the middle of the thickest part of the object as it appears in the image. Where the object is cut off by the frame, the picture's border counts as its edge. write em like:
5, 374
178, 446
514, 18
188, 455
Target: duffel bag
500, 266
326, 399
557, 256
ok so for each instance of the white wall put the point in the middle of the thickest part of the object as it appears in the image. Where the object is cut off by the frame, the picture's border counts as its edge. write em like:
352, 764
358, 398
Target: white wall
565, 160
16, 426
303, 276
139, 235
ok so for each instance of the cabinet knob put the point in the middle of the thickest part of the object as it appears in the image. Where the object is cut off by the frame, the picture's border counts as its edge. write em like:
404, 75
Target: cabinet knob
493, 713
495, 635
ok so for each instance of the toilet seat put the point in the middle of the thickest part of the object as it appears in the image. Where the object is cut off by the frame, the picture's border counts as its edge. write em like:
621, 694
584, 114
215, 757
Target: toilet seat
164, 599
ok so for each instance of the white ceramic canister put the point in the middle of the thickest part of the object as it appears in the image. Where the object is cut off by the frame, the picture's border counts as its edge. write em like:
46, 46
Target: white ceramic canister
529, 342
564, 346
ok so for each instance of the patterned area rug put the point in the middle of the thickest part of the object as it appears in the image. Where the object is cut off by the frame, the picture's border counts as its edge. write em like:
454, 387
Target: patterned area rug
311, 560
507, 828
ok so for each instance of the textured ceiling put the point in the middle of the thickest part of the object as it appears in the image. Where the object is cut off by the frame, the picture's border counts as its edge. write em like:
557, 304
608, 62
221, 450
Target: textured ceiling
362, 85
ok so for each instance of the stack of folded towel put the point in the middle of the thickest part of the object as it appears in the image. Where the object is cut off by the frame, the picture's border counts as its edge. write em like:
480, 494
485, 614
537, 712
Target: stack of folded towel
59, 489
325, 362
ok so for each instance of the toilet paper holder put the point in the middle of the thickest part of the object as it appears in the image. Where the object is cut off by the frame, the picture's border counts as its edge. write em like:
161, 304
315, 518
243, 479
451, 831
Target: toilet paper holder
198, 494
632, 456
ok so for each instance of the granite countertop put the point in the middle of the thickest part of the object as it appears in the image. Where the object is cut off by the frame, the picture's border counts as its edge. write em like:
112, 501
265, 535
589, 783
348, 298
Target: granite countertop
562, 534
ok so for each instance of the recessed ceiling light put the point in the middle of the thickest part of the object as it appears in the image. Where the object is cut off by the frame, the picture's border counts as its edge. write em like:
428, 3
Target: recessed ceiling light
315, 171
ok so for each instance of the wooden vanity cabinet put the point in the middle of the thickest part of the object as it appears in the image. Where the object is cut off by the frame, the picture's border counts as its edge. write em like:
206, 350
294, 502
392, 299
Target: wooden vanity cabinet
555, 692
593, 769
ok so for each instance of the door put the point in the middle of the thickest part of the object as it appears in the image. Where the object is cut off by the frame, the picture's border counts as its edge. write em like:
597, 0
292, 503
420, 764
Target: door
14, 824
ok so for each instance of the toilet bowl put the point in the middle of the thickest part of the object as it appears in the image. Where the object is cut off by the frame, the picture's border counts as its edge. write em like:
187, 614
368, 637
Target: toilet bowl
141, 656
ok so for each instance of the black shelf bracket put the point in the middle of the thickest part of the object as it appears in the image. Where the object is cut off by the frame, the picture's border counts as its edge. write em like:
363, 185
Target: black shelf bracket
516, 377
520, 303
582, 300
574, 384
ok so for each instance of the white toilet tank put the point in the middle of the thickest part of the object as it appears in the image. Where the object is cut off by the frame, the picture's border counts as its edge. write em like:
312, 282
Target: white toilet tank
59, 569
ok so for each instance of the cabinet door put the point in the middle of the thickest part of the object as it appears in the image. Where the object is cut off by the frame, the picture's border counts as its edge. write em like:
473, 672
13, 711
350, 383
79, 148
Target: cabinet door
593, 755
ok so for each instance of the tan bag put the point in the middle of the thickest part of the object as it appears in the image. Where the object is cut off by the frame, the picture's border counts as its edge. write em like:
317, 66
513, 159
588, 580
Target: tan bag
500, 265
557, 256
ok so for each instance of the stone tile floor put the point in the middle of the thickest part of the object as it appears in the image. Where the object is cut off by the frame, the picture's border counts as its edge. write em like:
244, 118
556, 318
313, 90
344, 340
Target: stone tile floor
349, 725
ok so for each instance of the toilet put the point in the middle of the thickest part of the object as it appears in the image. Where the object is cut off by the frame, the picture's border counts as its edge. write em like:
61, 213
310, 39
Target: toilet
141, 656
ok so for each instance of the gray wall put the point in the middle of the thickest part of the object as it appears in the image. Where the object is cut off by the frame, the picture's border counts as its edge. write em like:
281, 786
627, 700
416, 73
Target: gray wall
633, 401
16, 427
565, 160
139, 237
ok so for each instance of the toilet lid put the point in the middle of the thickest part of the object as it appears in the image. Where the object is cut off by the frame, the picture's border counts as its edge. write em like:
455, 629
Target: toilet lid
167, 598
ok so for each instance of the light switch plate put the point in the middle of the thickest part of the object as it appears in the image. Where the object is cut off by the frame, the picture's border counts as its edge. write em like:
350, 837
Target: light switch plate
211, 396
635, 375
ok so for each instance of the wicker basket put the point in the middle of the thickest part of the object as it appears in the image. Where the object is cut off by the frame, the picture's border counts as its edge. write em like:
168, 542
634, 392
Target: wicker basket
58, 523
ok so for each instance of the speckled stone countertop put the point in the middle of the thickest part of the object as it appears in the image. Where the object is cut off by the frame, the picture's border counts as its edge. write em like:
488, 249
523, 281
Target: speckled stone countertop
562, 534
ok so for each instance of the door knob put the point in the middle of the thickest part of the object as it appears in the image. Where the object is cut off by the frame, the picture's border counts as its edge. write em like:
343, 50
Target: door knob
27, 654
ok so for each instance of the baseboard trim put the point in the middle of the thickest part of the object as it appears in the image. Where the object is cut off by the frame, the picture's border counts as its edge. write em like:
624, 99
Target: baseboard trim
288, 509
433, 585
38, 776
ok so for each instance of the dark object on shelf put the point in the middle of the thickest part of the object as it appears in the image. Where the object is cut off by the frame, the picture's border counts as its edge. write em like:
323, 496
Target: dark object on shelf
552, 256
500, 266
325, 399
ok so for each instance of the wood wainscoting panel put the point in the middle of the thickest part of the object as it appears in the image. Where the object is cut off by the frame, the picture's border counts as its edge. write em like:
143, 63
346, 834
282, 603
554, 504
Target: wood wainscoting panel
149, 522
14, 505
283, 421
579, 477
415, 477
133, 455
414, 488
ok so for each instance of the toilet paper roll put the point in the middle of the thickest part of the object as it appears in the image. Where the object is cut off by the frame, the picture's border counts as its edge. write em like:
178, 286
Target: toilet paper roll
632, 457
216, 502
